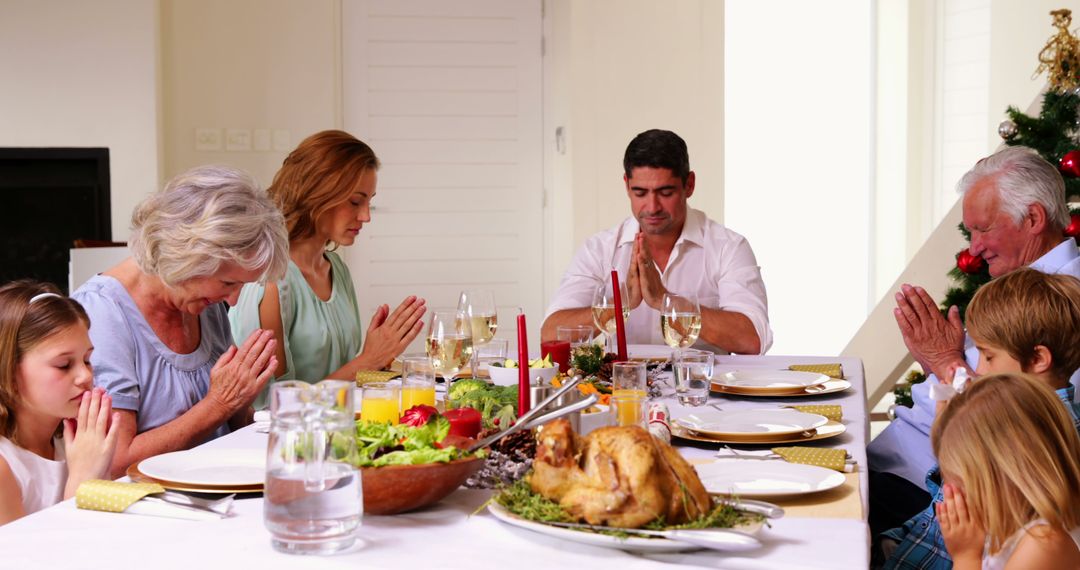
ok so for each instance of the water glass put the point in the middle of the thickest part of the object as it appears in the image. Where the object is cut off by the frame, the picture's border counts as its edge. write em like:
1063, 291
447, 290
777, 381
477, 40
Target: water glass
313, 501
628, 410
693, 374
628, 378
380, 402
575, 335
494, 351
417, 382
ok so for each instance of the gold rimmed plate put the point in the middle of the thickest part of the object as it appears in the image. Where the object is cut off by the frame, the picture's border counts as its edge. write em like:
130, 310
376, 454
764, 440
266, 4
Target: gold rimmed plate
831, 429
830, 387
137, 476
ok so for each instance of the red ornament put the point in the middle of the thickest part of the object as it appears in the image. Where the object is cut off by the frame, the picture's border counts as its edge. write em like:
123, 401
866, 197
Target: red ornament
970, 264
1070, 164
1073, 229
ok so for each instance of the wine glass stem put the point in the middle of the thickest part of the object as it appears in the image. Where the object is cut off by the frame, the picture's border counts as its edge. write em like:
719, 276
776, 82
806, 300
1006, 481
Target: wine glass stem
474, 362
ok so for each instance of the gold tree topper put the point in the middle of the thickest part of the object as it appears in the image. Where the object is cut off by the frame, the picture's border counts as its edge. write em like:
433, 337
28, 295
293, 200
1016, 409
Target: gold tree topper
1061, 56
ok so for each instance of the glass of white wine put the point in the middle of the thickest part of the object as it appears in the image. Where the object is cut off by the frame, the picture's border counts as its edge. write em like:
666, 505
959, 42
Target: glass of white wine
479, 306
680, 321
603, 310
449, 343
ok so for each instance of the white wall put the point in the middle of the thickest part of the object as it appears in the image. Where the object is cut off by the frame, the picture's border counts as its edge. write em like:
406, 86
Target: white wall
254, 66
798, 155
616, 68
83, 74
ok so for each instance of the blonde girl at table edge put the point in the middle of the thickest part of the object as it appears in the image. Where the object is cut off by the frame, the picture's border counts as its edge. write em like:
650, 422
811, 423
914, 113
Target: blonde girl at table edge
46, 382
324, 189
1005, 505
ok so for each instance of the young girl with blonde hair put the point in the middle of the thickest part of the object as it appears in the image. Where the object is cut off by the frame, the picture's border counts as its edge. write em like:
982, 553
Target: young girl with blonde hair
1011, 477
45, 380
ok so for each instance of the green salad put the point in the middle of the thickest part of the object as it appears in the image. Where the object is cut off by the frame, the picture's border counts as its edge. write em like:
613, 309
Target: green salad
497, 404
379, 444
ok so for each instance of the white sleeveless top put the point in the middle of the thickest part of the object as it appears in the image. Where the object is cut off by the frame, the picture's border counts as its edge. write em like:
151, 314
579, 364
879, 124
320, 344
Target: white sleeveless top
998, 561
40, 480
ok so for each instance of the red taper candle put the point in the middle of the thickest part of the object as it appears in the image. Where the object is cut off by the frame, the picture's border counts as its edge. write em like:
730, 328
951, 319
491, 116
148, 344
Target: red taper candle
523, 367
620, 326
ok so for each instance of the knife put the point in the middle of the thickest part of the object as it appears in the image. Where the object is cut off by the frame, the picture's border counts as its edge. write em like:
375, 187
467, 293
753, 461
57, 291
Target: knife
715, 539
767, 510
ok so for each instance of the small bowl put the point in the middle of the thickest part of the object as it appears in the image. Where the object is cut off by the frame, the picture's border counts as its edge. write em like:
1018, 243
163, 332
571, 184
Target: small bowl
400, 488
502, 376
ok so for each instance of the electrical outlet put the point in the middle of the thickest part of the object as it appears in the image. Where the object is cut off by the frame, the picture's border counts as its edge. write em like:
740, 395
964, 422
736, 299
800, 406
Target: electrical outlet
282, 139
207, 139
261, 140
237, 139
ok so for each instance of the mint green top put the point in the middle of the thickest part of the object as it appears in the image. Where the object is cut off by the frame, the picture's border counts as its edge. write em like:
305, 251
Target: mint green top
320, 336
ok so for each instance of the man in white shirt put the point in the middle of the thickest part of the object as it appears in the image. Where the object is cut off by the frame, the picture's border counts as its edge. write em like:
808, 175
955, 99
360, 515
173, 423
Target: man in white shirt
665, 246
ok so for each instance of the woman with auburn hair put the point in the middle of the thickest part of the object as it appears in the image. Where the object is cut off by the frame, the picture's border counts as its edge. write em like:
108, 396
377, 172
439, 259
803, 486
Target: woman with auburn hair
1010, 460
159, 322
324, 189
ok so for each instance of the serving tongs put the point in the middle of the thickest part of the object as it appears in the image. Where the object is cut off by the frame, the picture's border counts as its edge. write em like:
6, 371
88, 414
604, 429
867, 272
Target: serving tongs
533, 418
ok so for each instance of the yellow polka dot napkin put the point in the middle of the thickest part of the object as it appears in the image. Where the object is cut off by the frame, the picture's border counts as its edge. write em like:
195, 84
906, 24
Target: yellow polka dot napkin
834, 370
822, 457
112, 496
365, 376
831, 411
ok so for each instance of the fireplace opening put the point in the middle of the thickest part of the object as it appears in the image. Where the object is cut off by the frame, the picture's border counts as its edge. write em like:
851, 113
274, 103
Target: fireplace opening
50, 197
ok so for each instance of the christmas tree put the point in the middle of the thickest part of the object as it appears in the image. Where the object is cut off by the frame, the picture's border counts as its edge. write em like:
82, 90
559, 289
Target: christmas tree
1055, 134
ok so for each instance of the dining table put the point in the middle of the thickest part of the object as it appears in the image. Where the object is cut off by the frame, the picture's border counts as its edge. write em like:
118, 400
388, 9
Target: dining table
825, 530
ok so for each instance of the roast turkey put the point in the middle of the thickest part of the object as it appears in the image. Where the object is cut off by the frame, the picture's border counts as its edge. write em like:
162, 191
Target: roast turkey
616, 476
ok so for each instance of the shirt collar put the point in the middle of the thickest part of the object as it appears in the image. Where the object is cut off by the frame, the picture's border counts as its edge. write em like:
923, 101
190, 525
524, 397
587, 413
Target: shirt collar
1053, 260
693, 229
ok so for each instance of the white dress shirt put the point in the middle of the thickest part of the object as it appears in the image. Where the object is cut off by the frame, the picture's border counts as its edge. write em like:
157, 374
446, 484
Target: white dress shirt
709, 262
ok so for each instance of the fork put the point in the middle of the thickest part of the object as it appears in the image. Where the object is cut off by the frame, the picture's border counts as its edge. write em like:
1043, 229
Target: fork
747, 455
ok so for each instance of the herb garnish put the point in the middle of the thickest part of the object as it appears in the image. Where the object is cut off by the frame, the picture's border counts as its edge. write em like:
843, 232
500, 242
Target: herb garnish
521, 500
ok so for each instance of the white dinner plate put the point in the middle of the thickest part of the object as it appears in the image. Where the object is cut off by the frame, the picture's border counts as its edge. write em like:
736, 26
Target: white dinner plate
757, 478
630, 544
829, 387
208, 467
770, 380
761, 422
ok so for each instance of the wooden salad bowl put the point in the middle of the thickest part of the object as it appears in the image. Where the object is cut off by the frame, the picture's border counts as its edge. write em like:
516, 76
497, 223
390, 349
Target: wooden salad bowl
401, 488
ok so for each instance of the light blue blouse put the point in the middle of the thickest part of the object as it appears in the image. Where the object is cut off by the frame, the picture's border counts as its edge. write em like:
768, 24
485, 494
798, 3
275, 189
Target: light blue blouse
320, 336
136, 368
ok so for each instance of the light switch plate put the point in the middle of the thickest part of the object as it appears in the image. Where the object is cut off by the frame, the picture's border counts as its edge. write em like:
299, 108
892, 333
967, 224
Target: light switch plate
282, 139
237, 139
207, 139
261, 140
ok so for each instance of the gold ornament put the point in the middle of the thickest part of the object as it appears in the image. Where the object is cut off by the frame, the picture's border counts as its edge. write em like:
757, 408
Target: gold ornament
1061, 56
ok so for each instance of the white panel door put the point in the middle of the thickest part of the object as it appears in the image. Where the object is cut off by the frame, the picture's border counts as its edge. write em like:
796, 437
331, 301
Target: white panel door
448, 93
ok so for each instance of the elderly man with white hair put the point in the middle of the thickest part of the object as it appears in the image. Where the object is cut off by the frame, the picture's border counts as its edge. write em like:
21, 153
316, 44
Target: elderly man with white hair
1014, 207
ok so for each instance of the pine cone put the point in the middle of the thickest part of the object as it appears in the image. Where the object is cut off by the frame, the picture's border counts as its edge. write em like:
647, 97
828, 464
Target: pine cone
522, 443
605, 367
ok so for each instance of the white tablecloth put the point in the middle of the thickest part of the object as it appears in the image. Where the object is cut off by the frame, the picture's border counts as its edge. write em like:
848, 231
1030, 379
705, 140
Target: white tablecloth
448, 535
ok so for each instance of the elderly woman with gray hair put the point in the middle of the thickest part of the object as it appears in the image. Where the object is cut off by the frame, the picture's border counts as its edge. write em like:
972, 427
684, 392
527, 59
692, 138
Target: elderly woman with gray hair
160, 328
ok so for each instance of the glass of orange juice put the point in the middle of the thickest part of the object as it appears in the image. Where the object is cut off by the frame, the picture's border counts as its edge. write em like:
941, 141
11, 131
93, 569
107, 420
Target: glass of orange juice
628, 410
380, 402
417, 382
628, 379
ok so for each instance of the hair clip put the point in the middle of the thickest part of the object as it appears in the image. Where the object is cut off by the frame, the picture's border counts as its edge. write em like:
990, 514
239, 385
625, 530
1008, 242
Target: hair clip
41, 296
